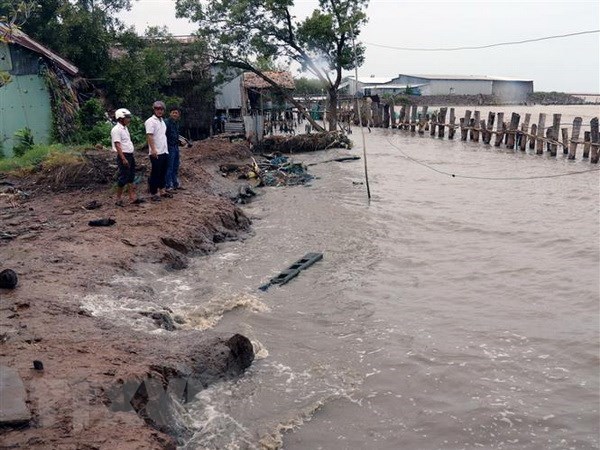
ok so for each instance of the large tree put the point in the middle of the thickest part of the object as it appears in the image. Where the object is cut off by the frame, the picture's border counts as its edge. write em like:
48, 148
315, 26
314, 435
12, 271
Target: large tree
241, 32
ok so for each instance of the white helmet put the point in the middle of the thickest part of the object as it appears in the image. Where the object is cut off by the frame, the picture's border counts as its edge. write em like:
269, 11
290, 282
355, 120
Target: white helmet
122, 113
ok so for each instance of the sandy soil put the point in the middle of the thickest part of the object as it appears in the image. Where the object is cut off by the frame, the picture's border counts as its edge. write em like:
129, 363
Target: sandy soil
60, 258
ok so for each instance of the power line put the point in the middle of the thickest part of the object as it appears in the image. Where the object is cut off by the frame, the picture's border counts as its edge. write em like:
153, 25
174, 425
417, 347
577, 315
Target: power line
474, 177
453, 49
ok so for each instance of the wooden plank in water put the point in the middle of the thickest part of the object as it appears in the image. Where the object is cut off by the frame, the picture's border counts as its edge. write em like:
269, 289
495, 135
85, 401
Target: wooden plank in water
499, 129
413, 118
575, 137
587, 143
540, 132
487, 135
555, 129
512, 130
422, 120
433, 124
565, 140
442, 122
476, 124
532, 136
464, 123
524, 130
386, 116
452, 124
595, 140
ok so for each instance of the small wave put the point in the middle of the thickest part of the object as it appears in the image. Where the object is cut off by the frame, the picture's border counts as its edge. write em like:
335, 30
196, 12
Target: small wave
209, 314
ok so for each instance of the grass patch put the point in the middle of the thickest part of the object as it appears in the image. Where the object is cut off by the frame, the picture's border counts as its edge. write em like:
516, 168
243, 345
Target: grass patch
42, 157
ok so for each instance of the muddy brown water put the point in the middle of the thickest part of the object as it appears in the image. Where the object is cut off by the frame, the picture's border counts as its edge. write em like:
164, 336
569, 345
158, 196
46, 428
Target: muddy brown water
447, 313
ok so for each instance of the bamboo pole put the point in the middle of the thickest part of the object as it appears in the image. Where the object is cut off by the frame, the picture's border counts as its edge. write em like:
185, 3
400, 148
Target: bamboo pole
524, 130
442, 122
499, 130
575, 137
464, 123
540, 132
452, 125
555, 127
532, 136
587, 143
514, 126
595, 140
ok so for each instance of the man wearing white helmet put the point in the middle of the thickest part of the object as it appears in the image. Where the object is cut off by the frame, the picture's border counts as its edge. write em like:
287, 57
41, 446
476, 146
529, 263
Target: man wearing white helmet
122, 145
158, 151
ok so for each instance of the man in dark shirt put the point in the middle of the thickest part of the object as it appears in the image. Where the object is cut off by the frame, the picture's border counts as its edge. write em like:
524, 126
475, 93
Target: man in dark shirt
172, 180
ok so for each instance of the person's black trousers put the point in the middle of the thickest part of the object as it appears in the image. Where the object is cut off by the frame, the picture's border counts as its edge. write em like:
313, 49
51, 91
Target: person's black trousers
158, 172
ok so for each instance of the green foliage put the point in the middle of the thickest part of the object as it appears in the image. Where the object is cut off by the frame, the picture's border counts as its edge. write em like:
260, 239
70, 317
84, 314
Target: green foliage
24, 141
30, 159
244, 33
309, 86
90, 113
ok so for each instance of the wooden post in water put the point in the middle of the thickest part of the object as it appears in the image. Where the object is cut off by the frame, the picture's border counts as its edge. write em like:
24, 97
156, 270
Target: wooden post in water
512, 131
524, 131
433, 124
464, 123
487, 135
413, 118
452, 124
422, 120
548, 139
555, 127
442, 122
565, 140
595, 140
540, 133
472, 128
386, 116
532, 136
499, 130
587, 143
575, 137
476, 125
393, 114
401, 118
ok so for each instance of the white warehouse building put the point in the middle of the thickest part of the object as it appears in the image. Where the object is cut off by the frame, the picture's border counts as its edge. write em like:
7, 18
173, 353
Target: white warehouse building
507, 90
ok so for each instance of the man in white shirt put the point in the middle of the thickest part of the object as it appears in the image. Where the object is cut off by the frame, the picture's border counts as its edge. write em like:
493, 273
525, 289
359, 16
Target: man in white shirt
122, 145
158, 151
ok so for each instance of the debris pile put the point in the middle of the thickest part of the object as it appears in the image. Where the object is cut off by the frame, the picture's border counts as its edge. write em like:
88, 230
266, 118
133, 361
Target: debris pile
304, 142
279, 170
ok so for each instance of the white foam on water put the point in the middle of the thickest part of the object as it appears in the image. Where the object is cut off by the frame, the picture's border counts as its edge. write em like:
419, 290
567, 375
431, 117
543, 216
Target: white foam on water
207, 315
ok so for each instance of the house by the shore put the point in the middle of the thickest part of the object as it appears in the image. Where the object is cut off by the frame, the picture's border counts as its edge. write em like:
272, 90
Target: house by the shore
26, 97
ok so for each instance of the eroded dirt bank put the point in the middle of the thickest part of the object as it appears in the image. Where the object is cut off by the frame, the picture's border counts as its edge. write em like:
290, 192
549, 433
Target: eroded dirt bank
92, 366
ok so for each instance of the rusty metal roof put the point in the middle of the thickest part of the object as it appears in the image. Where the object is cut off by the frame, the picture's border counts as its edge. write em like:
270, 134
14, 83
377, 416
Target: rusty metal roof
283, 79
15, 36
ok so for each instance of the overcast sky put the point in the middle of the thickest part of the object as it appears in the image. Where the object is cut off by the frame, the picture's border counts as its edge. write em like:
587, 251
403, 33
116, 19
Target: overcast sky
569, 64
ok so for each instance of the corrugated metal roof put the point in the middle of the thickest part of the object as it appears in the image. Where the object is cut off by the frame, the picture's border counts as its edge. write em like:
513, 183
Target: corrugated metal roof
461, 77
283, 79
16, 36
372, 79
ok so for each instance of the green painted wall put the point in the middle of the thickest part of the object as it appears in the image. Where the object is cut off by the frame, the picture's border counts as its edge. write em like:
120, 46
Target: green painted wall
24, 101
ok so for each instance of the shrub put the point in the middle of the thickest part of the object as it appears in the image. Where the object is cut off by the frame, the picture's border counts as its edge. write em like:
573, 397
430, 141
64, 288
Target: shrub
24, 141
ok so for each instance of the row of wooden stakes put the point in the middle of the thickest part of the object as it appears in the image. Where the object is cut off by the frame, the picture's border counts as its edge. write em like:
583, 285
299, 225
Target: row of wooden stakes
514, 137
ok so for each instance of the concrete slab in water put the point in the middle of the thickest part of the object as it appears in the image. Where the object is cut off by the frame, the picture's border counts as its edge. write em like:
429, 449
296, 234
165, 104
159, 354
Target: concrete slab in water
13, 410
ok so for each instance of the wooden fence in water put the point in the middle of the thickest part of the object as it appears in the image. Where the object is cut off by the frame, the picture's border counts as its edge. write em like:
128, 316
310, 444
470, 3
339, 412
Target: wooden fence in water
513, 133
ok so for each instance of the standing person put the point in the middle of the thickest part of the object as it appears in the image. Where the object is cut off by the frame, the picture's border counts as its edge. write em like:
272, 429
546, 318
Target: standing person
158, 151
123, 147
172, 180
